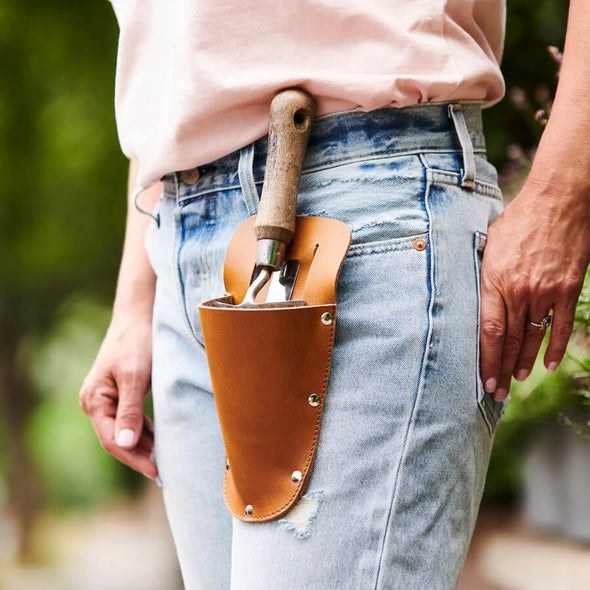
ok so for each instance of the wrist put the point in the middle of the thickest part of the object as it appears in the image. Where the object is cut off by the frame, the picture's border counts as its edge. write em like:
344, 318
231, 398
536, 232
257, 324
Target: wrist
134, 299
562, 160
560, 179
554, 199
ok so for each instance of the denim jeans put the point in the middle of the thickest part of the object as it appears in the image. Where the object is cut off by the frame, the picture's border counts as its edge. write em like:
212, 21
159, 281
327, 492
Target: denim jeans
407, 428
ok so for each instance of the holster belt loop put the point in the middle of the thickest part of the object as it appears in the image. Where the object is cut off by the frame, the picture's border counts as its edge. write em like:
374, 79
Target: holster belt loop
468, 170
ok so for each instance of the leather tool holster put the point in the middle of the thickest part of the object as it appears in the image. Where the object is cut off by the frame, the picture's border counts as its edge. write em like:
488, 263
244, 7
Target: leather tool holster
270, 366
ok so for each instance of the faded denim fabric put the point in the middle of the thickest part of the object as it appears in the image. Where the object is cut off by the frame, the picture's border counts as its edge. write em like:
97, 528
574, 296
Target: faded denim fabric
407, 427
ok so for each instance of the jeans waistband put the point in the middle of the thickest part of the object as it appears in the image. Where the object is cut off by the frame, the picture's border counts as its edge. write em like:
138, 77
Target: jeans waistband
348, 136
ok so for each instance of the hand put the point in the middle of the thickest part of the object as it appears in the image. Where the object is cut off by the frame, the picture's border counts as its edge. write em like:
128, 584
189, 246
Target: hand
114, 390
535, 260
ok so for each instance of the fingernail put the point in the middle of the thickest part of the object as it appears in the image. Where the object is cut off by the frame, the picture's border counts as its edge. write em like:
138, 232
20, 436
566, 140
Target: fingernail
522, 374
552, 366
148, 476
500, 394
125, 437
490, 384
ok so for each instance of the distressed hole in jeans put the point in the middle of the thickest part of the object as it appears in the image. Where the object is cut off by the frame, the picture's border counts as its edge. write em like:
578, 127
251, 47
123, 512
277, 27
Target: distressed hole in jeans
300, 518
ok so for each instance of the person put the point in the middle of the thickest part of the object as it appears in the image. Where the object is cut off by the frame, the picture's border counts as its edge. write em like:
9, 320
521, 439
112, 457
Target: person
444, 295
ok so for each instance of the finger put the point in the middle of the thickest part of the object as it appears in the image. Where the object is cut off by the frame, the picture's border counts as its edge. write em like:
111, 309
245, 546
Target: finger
562, 325
492, 331
146, 442
88, 392
139, 458
129, 420
532, 339
148, 423
516, 312
82, 398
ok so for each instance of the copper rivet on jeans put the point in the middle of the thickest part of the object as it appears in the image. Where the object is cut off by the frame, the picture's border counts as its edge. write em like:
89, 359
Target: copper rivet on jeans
326, 318
419, 244
314, 400
190, 176
296, 476
248, 510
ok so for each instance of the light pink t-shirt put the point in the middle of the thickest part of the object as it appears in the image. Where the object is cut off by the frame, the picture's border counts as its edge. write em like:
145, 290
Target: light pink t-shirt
195, 77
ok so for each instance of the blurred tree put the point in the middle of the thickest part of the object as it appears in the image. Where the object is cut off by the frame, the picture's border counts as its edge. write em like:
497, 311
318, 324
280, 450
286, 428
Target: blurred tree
529, 72
62, 186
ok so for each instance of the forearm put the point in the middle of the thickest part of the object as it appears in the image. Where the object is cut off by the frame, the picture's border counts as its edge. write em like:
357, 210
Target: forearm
563, 157
538, 251
136, 282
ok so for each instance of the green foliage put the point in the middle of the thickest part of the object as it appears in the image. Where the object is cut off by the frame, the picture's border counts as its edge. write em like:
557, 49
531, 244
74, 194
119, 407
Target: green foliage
74, 469
62, 210
62, 174
562, 396
532, 25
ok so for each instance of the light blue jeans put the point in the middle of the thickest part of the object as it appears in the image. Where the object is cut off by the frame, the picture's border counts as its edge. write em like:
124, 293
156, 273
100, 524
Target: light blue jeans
407, 427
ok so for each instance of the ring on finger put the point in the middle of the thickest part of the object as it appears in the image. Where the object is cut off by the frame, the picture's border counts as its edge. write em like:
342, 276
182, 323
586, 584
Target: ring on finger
542, 324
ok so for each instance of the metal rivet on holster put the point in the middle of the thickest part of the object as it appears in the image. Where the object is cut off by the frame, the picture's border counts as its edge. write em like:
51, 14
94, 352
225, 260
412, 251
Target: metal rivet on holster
296, 476
326, 318
248, 511
314, 400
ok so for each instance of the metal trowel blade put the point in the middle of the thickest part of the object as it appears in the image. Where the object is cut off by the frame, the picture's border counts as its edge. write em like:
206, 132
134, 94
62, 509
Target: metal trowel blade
282, 282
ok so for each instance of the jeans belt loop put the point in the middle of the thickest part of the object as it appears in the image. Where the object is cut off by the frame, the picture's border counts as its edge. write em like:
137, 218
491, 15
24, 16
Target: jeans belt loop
468, 172
177, 181
246, 176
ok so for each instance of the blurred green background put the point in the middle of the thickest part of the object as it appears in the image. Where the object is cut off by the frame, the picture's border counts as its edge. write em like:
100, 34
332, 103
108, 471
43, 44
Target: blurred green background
62, 212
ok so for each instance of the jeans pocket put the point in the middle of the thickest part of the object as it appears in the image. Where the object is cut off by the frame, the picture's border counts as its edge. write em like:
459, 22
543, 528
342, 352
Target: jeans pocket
491, 410
382, 200
203, 229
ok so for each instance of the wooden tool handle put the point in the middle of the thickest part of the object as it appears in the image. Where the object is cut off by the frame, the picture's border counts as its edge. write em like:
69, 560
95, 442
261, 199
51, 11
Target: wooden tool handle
291, 115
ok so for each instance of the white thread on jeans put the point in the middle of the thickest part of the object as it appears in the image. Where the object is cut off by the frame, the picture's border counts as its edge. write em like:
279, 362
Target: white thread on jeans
302, 515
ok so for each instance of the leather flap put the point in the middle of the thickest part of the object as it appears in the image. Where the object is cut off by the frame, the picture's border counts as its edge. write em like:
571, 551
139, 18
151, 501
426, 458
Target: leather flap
320, 244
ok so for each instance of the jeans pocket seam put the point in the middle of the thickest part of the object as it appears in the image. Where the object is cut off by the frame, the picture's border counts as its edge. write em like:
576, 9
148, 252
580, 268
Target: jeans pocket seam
481, 188
180, 283
389, 245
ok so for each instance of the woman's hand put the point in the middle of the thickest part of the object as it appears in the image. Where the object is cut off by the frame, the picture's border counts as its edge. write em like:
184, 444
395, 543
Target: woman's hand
535, 260
115, 388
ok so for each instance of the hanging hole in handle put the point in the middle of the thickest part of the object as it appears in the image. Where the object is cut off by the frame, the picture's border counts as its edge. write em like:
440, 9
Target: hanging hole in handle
301, 119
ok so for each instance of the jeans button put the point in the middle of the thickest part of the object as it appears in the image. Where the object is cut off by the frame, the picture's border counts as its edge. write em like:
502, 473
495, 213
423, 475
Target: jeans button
190, 177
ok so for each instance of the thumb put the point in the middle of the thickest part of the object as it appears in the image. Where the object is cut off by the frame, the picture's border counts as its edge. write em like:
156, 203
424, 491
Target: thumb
129, 419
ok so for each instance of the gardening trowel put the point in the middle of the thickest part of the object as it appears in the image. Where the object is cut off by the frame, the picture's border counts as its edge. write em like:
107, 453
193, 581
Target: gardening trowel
291, 116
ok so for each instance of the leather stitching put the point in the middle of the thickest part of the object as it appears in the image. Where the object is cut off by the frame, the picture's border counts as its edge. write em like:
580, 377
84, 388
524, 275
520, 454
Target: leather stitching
311, 453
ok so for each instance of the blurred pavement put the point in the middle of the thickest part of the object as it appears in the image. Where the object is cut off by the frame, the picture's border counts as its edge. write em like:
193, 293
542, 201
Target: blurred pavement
505, 554
128, 547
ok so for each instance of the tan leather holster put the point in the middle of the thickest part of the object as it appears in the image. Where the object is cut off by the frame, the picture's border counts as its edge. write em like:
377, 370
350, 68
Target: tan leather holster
270, 366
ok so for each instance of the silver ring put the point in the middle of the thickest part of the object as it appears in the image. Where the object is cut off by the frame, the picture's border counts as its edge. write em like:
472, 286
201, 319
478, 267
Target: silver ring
543, 324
